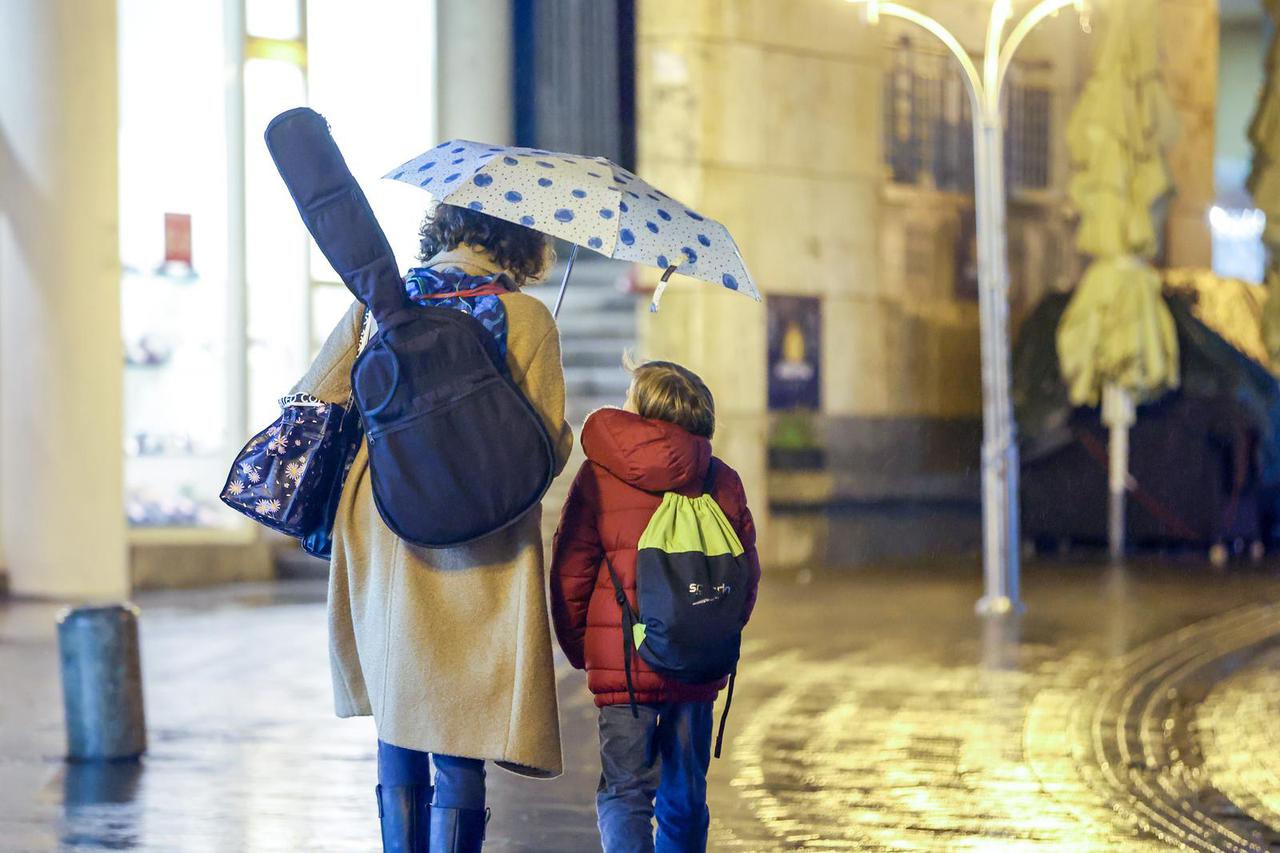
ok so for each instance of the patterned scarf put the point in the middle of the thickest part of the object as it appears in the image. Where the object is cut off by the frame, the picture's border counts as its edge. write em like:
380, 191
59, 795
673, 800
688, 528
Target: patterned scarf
422, 282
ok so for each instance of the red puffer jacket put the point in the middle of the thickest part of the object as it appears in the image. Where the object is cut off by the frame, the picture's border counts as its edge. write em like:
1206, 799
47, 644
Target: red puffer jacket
630, 462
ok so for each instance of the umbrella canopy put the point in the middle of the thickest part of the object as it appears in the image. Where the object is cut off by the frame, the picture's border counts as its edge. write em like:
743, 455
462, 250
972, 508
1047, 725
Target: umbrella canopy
589, 201
1117, 329
1264, 183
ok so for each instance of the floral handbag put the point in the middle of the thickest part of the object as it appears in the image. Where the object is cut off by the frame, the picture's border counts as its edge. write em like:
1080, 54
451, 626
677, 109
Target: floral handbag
290, 475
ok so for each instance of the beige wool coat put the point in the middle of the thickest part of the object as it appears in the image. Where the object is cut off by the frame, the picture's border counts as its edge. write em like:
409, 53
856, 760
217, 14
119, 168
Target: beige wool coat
448, 649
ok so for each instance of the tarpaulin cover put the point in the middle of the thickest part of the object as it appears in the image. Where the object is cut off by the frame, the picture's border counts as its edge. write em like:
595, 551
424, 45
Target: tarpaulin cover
1200, 454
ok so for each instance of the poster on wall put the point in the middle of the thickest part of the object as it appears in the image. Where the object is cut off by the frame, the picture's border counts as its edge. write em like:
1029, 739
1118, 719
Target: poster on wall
795, 353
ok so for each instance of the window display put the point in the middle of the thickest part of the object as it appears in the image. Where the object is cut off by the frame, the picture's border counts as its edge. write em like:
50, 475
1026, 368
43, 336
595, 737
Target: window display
224, 298
173, 249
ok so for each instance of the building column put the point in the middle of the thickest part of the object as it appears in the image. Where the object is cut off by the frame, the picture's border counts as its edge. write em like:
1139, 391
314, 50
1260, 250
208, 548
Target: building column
474, 83
61, 361
1189, 62
765, 116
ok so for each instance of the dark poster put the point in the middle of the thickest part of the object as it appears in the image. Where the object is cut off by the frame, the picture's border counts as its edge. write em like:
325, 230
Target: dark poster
966, 283
795, 352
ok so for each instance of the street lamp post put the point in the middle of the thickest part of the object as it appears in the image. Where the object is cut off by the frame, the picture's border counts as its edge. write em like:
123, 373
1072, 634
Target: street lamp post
1000, 541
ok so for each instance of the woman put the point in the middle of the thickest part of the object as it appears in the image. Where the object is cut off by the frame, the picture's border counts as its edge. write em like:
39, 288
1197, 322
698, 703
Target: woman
449, 649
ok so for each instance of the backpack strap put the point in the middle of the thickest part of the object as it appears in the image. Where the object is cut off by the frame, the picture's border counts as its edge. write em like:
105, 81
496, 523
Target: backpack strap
724, 715
709, 483
628, 630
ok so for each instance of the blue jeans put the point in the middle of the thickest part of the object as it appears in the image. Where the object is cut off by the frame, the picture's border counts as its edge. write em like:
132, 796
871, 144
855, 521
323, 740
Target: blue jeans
654, 766
459, 781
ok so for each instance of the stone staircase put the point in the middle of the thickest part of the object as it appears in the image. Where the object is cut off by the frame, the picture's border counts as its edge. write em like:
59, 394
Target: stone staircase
597, 325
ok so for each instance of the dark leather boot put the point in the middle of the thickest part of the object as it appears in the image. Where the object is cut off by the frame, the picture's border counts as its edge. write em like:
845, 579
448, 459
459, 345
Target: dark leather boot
405, 814
457, 830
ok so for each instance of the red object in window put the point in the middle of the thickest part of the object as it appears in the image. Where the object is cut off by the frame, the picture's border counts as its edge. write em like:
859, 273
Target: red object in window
177, 238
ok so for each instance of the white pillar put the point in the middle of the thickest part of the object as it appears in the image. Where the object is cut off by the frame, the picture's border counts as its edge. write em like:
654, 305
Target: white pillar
474, 71
61, 375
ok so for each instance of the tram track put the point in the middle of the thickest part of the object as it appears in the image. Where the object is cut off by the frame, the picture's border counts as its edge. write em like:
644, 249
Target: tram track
1146, 752
1070, 750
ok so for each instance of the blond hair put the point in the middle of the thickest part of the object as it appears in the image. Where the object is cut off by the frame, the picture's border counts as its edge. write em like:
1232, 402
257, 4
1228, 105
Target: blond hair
666, 391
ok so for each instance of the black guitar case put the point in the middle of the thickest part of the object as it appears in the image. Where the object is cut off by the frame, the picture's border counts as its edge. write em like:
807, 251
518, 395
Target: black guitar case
456, 451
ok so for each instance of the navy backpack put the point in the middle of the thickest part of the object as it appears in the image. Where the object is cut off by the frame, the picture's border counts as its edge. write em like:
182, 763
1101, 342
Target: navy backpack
456, 451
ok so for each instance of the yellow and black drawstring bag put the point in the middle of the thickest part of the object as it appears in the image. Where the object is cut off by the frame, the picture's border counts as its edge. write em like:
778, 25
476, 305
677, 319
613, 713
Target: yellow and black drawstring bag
691, 594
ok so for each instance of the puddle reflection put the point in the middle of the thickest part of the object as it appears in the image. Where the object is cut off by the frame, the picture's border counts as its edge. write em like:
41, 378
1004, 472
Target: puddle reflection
99, 805
1001, 636
93, 783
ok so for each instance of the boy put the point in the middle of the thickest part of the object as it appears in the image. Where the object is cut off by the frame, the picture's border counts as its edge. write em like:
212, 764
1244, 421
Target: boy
659, 442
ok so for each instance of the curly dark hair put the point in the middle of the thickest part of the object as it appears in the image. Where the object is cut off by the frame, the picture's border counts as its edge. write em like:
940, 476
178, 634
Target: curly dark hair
521, 251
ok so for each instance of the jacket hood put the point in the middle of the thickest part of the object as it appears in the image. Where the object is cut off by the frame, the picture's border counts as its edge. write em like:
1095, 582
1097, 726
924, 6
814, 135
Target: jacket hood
656, 456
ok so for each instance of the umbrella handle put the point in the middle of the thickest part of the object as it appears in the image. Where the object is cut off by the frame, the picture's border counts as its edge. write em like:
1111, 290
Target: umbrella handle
564, 282
661, 289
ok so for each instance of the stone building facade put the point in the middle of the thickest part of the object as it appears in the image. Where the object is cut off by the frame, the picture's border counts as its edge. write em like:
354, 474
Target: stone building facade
772, 118
767, 115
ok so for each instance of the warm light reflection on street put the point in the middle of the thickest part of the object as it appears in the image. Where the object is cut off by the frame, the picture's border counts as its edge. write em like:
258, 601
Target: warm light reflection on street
1169, 745
1127, 711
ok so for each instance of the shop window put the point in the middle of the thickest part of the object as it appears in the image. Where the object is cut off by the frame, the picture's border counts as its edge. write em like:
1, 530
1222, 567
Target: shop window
928, 124
224, 299
181, 425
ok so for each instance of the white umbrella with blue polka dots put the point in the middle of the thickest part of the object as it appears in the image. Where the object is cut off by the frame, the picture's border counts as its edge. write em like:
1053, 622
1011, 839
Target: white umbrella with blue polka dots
588, 201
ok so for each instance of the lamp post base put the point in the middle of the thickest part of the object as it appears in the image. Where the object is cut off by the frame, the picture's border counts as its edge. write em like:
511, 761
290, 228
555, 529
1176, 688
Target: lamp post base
997, 605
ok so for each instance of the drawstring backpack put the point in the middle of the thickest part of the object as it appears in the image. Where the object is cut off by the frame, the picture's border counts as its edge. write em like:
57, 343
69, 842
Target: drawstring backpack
691, 595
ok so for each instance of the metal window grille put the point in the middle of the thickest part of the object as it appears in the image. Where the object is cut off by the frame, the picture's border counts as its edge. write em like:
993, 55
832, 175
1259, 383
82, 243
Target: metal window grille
1027, 136
929, 124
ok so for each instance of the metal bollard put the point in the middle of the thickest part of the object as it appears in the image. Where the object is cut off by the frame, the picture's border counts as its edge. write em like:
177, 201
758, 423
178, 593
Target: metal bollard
102, 682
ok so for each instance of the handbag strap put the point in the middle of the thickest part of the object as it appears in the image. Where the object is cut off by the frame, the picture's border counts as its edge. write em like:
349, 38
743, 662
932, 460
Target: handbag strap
311, 399
364, 339
709, 482
364, 331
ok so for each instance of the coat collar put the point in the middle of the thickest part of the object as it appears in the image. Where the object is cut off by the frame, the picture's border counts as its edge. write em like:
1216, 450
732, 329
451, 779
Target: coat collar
472, 260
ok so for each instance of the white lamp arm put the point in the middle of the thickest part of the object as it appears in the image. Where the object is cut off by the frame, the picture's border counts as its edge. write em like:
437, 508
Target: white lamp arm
1028, 23
943, 35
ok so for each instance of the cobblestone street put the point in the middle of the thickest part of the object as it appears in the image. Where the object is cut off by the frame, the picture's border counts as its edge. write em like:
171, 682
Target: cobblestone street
1128, 711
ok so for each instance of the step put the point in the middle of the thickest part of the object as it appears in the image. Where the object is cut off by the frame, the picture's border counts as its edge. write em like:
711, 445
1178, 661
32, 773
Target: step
617, 325
596, 382
580, 282
579, 299
577, 408
595, 352
588, 274
577, 359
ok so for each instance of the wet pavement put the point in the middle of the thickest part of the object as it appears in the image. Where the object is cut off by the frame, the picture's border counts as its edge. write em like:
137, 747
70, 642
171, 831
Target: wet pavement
1128, 710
